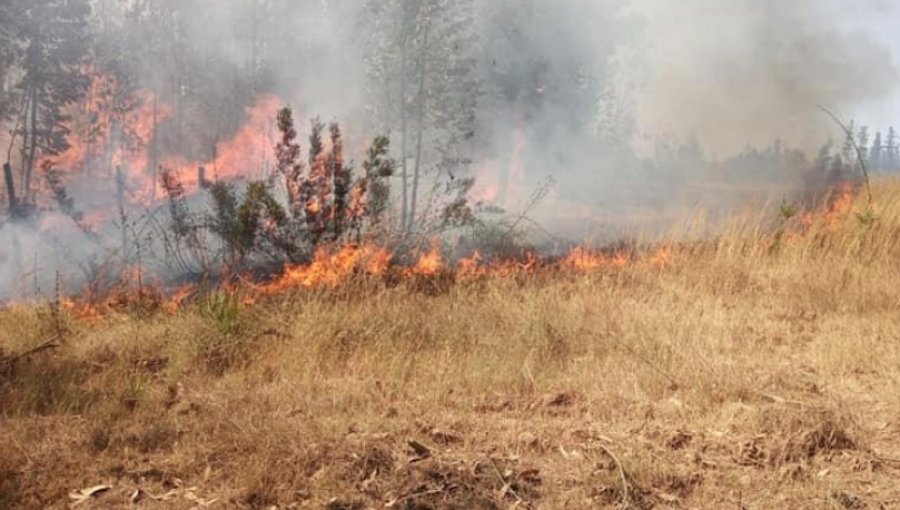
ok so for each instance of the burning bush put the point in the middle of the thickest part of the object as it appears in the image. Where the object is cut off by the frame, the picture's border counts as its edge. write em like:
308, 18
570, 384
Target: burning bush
324, 206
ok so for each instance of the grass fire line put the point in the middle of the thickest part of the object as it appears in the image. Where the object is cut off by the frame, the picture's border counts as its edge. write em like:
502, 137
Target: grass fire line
753, 369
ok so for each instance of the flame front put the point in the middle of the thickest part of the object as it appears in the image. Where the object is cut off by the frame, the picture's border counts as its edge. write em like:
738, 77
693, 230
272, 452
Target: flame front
331, 269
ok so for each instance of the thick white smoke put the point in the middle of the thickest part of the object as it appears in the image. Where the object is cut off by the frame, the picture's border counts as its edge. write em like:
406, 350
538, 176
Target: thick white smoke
746, 72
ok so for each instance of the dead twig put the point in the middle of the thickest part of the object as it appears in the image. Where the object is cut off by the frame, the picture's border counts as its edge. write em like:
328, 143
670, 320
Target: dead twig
537, 196
507, 486
431, 492
9, 361
646, 361
888, 460
625, 501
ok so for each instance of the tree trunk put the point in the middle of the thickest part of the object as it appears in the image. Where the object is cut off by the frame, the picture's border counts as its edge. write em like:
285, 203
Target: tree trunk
403, 166
123, 217
154, 164
420, 128
10, 188
32, 146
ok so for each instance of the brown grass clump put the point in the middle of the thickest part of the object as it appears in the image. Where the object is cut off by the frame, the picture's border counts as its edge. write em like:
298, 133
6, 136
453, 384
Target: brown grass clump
753, 370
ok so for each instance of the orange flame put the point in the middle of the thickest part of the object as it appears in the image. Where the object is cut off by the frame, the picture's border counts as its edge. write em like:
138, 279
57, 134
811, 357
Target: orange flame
583, 259
331, 269
839, 206
429, 264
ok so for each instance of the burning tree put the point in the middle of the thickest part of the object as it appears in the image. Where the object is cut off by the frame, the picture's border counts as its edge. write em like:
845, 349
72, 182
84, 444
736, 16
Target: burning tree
51, 46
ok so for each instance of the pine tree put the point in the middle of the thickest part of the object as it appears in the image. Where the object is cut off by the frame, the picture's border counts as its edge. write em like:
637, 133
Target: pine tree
287, 155
876, 153
848, 154
862, 144
317, 187
824, 158
838, 171
10, 54
371, 194
891, 151
342, 175
54, 39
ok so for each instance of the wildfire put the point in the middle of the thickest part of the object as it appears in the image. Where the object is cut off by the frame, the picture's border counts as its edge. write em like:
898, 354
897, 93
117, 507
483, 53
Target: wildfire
839, 206
246, 155
661, 257
584, 260
331, 269
471, 266
103, 144
116, 133
429, 264
178, 299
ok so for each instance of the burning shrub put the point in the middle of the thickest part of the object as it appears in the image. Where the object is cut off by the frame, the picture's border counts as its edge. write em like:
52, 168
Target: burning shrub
254, 230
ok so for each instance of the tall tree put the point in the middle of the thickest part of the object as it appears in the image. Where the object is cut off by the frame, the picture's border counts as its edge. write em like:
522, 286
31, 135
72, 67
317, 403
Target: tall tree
891, 150
862, 143
10, 54
876, 153
423, 74
53, 35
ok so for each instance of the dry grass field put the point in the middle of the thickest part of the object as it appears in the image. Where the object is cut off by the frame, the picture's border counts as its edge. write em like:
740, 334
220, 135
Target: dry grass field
756, 371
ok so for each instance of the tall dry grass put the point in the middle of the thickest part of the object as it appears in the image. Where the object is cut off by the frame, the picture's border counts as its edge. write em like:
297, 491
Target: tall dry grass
753, 370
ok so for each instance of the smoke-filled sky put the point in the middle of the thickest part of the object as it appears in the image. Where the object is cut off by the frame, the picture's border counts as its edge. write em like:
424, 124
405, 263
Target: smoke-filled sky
746, 71
731, 72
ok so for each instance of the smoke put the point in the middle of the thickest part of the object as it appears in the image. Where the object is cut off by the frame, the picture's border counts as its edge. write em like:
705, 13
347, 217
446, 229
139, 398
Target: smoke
624, 105
745, 72
686, 89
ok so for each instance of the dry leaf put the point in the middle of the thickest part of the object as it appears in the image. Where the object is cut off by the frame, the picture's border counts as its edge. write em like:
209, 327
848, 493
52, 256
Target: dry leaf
445, 436
80, 496
420, 449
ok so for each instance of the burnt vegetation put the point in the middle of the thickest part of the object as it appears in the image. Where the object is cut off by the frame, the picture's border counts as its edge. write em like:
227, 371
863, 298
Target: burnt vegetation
326, 204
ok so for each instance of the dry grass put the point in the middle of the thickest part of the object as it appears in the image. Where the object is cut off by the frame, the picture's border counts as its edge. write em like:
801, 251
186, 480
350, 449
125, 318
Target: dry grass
742, 374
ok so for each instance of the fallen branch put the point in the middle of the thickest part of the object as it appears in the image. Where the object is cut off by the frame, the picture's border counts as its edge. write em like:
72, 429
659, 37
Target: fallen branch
888, 460
626, 485
9, 361
507, 485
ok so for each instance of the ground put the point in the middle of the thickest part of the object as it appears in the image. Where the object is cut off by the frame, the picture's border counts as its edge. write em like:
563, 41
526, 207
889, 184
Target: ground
756, 371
